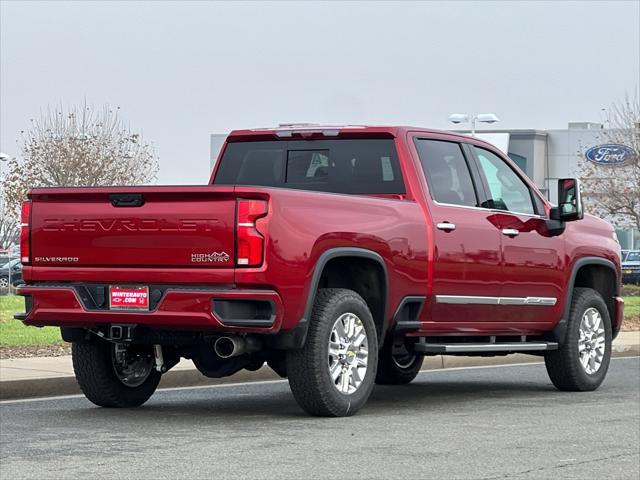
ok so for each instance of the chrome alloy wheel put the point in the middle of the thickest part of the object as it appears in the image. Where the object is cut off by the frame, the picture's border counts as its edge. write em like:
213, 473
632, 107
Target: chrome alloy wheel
4, 282
591, 345
132, 369
348, 353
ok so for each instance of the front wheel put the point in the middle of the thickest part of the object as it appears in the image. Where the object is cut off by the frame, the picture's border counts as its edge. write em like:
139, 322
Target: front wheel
115, 375
581, 363
333, 374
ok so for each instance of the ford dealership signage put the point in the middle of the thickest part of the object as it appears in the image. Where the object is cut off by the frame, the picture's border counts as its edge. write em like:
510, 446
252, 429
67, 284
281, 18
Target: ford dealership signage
609, 154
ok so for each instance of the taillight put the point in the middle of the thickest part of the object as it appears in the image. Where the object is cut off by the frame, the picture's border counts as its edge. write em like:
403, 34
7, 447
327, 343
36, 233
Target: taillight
250, 250
25, 233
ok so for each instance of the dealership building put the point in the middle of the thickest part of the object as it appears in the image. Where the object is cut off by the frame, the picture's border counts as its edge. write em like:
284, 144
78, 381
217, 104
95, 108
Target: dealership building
544, 155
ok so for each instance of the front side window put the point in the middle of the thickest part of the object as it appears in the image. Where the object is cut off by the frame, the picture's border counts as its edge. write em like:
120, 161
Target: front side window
447, 172
507, 190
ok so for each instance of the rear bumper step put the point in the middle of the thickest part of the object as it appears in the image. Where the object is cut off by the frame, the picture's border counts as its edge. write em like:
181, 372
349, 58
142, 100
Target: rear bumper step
196, 309
443, 348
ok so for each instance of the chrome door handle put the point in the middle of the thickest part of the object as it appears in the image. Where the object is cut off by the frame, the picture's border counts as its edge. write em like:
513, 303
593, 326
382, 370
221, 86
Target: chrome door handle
446, 226
510, 232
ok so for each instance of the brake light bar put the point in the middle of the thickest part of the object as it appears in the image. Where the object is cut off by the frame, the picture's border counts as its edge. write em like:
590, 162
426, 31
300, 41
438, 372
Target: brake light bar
306, 132
250, 241
25, 233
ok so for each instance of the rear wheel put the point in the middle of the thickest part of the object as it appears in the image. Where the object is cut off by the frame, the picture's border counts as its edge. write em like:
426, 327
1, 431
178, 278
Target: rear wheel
115, 375
333, 374
396, 364
581, 363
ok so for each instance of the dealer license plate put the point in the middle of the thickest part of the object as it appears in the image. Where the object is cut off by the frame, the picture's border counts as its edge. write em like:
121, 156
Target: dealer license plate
128, 298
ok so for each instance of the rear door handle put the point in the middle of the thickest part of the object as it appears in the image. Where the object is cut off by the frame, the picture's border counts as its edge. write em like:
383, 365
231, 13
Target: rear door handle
446, 226
510, 232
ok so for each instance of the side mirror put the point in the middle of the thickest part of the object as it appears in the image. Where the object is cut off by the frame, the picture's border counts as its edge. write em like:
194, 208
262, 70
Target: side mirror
569, 206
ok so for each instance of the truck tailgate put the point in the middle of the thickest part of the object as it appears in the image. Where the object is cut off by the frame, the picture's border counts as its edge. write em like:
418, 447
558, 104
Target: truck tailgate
133, 226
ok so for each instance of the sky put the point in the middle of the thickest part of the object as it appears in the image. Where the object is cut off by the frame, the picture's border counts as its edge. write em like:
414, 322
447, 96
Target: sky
180, 71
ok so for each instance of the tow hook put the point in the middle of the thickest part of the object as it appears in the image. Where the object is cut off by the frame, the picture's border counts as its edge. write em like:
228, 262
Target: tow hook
159, 359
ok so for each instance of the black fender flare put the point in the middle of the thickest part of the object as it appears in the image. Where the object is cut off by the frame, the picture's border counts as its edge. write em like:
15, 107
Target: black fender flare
296, 338
560, 331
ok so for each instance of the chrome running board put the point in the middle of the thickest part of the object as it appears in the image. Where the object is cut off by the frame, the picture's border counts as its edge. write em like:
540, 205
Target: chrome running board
515, 347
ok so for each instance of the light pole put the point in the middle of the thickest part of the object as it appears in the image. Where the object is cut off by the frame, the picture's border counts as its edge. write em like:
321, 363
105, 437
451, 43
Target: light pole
480, 117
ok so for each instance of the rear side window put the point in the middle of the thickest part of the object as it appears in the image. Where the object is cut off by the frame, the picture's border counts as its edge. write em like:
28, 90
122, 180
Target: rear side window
340, 166
447, 172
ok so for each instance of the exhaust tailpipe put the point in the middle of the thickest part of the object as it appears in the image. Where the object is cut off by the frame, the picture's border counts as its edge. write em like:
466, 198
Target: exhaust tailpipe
227, 347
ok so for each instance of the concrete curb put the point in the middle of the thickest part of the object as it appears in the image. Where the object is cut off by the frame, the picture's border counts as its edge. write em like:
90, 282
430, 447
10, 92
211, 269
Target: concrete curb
66, 385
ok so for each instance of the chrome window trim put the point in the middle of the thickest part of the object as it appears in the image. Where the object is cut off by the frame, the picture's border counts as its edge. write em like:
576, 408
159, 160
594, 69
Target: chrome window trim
479, 300
494, 210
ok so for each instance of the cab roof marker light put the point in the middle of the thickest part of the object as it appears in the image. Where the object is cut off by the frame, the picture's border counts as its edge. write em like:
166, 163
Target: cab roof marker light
302, 132
331, 133
284, 133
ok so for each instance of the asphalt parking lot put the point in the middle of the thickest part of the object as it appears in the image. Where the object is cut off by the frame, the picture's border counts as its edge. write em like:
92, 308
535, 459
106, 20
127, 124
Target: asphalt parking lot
476, 423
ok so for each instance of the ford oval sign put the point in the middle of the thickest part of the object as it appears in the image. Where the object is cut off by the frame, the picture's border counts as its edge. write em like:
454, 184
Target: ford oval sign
609, 154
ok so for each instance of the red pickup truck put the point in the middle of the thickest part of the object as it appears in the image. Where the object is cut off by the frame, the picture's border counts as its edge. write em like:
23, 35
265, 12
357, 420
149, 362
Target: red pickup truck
340, 256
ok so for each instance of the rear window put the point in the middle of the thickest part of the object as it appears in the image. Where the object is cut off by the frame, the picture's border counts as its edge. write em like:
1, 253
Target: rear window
339, 166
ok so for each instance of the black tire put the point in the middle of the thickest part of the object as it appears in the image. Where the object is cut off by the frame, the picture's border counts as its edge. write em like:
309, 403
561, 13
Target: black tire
95, 373
308, 368
396, 365
563, 365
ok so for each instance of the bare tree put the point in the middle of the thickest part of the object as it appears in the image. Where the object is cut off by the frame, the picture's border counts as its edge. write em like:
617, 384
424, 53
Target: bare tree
80, 147
613, 191
9, 229
9, 226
